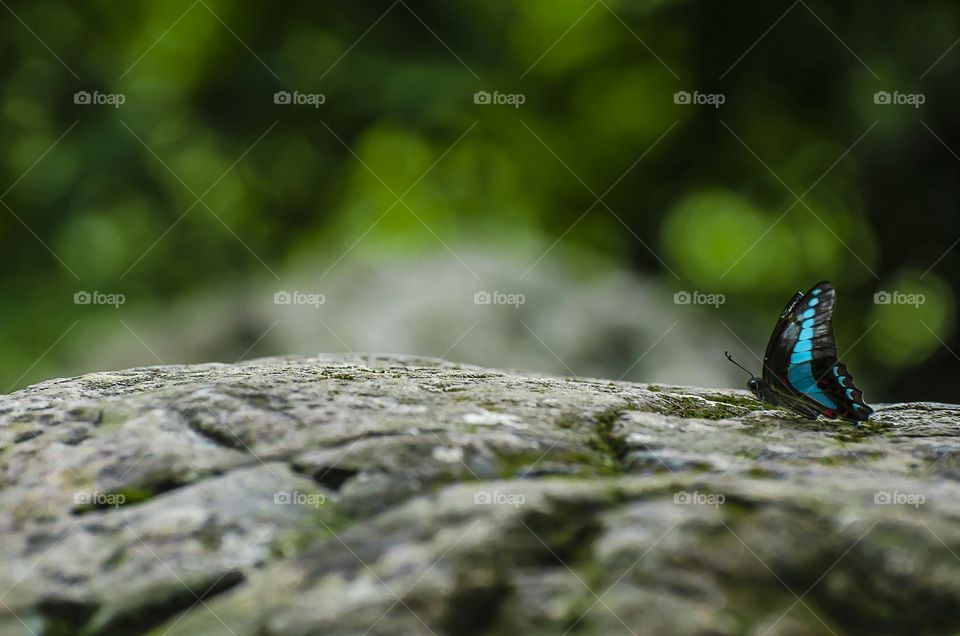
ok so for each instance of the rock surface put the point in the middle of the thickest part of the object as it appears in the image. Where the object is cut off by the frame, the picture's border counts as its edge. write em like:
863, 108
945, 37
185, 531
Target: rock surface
344, 495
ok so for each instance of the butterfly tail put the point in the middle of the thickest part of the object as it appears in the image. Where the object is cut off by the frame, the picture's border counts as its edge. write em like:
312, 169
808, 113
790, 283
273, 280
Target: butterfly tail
849, 399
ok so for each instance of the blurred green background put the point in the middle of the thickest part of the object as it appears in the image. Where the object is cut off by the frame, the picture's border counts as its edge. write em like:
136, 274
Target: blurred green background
406, 191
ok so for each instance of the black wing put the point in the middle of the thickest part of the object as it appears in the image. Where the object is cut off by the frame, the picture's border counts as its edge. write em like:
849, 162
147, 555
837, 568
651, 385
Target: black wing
801, 364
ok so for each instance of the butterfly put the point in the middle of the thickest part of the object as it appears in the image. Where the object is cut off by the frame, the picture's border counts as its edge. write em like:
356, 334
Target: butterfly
800, 367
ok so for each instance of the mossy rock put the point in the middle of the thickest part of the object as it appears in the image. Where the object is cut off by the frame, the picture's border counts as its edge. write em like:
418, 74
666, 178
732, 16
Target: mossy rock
402, 495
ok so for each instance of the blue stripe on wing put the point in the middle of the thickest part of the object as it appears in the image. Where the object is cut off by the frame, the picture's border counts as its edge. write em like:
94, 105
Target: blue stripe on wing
800, 371
801, 379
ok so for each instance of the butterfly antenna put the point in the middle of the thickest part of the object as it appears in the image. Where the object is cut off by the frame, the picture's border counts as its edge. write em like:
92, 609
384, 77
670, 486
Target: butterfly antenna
730, 358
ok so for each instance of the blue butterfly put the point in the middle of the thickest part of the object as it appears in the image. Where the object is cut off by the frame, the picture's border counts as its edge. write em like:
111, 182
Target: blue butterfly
800, 367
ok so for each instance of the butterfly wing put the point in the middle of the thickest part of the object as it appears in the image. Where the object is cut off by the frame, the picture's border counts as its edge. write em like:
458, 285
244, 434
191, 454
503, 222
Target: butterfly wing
773, 391
801, 365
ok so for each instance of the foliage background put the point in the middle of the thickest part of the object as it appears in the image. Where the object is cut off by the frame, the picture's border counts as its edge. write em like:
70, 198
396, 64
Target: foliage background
692, 198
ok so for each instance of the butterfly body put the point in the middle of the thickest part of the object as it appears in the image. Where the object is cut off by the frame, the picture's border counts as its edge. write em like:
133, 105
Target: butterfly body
800, 367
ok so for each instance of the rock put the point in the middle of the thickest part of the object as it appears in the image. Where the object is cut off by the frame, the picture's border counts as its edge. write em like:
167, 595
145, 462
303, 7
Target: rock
381, 494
